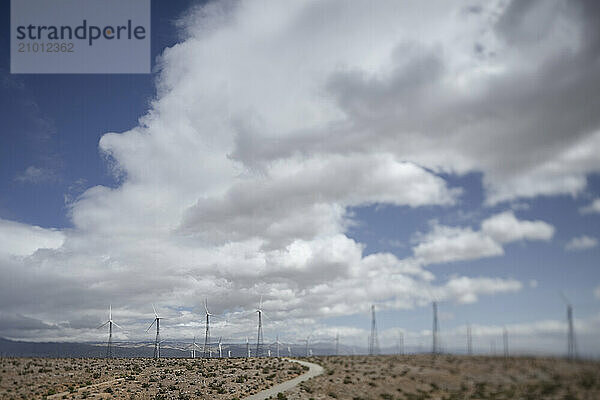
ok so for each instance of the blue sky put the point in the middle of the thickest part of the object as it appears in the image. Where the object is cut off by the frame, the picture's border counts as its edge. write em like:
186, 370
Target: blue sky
400, 155
56, 120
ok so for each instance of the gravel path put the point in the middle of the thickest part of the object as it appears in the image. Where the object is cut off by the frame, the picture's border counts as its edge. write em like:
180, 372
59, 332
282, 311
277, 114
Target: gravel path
314, 370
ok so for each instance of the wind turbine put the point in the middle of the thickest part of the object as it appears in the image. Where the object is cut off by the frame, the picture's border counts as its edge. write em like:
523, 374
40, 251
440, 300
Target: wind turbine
259, 336
373, 342
469, 340
247, 347
571, 347
220, 348
435, 346
401, 343
278, 343
307, 340
505, 341
194, 346
110, 324
207, 334
157, 340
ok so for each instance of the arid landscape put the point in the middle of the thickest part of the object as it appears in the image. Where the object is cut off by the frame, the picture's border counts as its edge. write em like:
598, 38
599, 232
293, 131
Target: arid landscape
357, 378
450, 377
39, 378
308, 199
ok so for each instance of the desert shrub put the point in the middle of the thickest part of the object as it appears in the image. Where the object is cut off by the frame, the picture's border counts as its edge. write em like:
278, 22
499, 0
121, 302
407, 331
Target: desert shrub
548, 388
587, 380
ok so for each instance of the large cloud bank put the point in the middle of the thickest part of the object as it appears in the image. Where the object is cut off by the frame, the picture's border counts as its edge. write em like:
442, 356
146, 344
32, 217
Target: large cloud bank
273, 119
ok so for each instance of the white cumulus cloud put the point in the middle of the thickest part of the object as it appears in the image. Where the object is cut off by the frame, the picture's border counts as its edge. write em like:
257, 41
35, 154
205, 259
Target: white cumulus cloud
579, 243
446, 244
592, 208
22, 240
272, 119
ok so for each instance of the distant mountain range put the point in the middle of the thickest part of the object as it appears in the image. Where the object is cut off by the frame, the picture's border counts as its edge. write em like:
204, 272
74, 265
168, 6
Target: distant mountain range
12, 348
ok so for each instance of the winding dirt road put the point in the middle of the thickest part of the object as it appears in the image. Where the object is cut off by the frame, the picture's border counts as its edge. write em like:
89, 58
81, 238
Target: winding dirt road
313, 370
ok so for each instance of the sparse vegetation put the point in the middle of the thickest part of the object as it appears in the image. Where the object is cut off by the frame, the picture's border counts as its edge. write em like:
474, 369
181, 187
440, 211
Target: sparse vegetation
137, 379
359, 377
419, 377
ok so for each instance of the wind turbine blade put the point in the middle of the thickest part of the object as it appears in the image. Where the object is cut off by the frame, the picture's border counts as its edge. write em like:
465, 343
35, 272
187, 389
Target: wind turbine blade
266, 316
117, 325
110, 312
102, 325
151, 325
206, 305
154, 309
260, 303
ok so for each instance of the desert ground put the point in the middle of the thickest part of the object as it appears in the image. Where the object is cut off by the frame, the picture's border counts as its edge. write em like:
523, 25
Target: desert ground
136, 378
450, 377
408, 377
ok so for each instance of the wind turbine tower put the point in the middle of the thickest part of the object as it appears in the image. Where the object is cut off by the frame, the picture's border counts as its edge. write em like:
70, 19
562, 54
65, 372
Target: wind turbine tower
435, 345
259, 336
278, 343
571, 346
505, 341
373, 342
157, 340
308, 346
469, 340
247, 347
571, 339
401, 343
207, 333
110, 324
194, 346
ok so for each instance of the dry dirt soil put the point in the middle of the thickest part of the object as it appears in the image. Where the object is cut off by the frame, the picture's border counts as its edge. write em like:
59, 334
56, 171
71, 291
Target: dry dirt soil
76, 378
354, 378
450, 377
